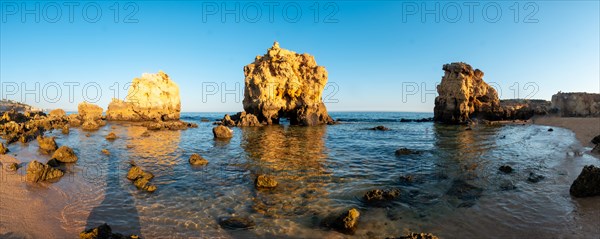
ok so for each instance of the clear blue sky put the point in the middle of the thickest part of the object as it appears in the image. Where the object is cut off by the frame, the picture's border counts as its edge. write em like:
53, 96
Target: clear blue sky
370, 48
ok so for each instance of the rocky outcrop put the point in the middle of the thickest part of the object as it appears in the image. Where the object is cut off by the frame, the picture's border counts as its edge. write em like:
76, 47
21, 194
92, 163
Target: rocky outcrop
24, 127
90, 116
47, 144
241, 119
222, 132
64, 154
8, 105
3, 148
57, 113
577, 104
376, 196
463, 94
37, 172
587, 183
151, 97
521, 109
414, 235
285, 84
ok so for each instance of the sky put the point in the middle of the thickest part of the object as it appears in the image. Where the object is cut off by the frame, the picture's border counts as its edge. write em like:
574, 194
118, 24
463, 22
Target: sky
380, 55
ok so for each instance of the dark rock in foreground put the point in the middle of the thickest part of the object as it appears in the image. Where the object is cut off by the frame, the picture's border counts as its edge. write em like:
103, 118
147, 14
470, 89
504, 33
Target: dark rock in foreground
463, 190
505, 169
3, 149
103, 232
534, 177
587, 183
414, 235
346, 222
405, 151
237, 223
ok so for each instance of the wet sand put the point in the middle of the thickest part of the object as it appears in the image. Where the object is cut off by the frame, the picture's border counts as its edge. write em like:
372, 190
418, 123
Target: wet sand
585, 129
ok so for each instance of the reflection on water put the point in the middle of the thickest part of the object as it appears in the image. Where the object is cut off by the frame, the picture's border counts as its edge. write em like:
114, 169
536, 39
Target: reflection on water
295, 156
454, 179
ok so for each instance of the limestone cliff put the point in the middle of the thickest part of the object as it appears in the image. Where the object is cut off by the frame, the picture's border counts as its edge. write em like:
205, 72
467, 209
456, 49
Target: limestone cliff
151, 97
286, 84
577, 104
463, 94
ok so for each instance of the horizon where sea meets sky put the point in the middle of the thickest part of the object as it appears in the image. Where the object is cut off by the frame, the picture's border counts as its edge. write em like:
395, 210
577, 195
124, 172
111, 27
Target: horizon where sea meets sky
380, 55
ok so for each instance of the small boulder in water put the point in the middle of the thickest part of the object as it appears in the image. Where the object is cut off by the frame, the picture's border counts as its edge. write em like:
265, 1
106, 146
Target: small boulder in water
65, 154
464, 191
141, 179
265, 182
105, 152
237, 223
587, 183
405, 151
596, 140
550, 129
505, 169
65, 129
197, 160
380, 128
111, 136
346, 223
222, 132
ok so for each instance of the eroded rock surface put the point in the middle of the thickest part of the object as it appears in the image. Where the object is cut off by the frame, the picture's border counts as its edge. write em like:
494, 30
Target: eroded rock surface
150, 97
286, 84
587, 183
222, 132
463, 94
577, 104
37, 172
346, 222
65, 154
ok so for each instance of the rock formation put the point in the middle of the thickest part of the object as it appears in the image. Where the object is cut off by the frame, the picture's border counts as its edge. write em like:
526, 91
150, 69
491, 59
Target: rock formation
140, 178
90, 116
103, 232
222, 132
3, 149
46, 144
346, 222
463, 94
37, 172
64, 154
577, 104
151, 97
587, 183
197, 160
265, 182
241, 119
285, 84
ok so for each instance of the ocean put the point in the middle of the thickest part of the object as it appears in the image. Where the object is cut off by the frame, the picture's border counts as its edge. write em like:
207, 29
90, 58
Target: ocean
450, 187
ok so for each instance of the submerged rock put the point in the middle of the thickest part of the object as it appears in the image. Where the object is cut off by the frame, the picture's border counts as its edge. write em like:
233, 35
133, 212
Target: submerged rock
587, 183
346, 223
222, 132
414, 235
380, 128
463, 190
197, 160
534, 177
150, 97
237, 223
241, 119
284, 84
405, 151
47, 144
3, 149
37, 172
379, 195
265, 182
141, 179
505, 169
105, 152
65, 154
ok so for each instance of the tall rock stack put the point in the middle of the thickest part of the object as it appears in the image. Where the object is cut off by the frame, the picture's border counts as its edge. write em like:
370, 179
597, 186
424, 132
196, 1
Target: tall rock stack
153, 97
463, 94
286, 84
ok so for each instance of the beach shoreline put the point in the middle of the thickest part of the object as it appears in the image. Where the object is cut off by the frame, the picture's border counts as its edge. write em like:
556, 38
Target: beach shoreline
585, 129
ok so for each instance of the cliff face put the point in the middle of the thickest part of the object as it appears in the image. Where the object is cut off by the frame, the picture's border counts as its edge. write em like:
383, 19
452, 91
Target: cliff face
7, 105
151, 97
577, 104
286, 84
463, 94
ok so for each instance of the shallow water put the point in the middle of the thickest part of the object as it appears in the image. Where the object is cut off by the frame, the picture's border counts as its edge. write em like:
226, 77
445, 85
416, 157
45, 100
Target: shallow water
457, 190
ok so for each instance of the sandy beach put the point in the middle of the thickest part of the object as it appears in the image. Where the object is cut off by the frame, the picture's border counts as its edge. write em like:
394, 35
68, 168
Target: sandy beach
585, 129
